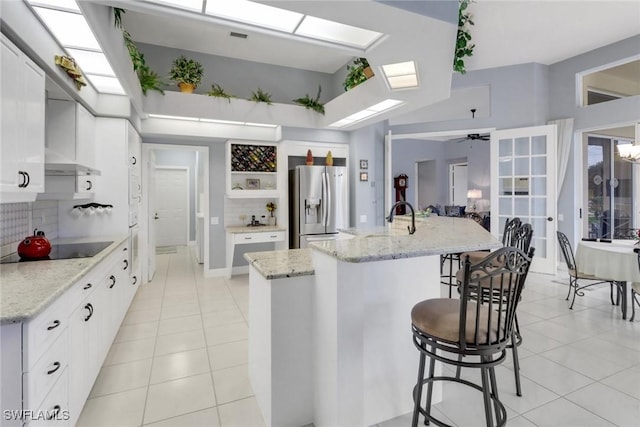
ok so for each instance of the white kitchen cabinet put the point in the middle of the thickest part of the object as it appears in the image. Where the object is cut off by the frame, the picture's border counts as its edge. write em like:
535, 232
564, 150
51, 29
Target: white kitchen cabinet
71, 132
22, 125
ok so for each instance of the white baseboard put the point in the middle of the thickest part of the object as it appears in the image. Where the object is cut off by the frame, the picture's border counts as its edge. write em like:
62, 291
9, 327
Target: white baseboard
191, 243
243, 269
216, 272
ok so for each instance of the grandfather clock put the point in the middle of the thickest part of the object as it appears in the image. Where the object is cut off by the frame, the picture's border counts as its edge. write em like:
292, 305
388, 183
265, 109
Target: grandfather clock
400, 183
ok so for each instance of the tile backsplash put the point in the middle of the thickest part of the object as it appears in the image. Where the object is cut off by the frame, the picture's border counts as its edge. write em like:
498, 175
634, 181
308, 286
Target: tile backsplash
17, 221
234, 208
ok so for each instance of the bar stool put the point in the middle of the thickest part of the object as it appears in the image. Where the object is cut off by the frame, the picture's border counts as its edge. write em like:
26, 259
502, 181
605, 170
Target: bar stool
447, 330
510, 227
635, 291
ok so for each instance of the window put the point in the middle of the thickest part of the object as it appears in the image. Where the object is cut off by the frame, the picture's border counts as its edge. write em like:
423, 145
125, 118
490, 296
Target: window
609, 83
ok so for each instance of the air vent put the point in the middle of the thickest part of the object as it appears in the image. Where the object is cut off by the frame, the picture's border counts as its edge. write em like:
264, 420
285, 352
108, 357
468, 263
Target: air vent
238, 35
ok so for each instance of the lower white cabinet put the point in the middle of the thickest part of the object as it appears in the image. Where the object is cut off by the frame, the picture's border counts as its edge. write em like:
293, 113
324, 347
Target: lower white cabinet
59, 352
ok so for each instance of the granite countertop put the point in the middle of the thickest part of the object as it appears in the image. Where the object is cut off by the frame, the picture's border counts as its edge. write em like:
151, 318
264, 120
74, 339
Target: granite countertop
282, 264
434, 236
27, 288
247, 229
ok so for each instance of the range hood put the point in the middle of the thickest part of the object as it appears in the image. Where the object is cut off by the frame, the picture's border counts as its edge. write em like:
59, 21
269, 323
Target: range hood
59, 165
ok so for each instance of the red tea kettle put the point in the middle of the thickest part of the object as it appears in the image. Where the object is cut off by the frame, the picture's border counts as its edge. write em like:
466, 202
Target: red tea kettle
36, 246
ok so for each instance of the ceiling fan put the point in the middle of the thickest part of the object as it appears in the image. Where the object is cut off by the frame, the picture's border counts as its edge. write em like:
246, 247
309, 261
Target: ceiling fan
474, 137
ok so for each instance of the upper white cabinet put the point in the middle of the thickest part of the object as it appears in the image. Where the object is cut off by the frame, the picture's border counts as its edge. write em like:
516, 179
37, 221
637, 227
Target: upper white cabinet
71, 132
252, 169
22, 125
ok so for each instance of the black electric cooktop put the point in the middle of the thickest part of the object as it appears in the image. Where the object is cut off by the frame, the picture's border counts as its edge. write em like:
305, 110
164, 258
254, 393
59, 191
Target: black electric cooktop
63, 251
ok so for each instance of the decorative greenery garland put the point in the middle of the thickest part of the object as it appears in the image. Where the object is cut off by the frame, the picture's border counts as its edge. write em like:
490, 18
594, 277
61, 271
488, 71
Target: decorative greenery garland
463, 45
149, 80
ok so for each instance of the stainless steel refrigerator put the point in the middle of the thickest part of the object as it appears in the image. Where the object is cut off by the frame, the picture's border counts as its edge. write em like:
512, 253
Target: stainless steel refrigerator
318, 203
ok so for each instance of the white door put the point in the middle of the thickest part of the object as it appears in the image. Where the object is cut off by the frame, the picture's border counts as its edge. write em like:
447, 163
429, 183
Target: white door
172, 201
151, 215
523, 184
459, 183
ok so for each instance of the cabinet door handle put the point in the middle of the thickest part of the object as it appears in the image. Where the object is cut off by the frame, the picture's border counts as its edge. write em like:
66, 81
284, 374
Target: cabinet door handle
89, 185
134, 160
126, 264
273, 237
56, 366
87, 286
88, 307
134, 280
248, 238
113, 281
54, 325
53, 414
24, 179
28, 179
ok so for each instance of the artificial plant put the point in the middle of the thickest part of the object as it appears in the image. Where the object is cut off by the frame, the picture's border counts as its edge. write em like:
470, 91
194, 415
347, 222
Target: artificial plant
356, 73
464, 47
311, 103
260, 96
184, 70
218, 92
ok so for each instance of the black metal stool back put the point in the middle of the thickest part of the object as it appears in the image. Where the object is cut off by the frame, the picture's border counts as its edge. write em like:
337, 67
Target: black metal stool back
445, 329
510, 228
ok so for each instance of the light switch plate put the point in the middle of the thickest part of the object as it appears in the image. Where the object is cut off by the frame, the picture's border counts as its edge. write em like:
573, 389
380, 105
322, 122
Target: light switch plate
215, 220
363, 219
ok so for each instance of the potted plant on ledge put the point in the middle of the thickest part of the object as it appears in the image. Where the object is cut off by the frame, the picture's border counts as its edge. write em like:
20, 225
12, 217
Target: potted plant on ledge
359, 72
187, 73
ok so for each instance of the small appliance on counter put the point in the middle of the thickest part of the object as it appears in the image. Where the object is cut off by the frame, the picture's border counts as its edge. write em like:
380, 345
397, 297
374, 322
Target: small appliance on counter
34, 247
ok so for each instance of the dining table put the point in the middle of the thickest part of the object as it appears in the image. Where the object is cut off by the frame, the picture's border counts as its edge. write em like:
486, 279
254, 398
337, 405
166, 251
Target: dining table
613, 260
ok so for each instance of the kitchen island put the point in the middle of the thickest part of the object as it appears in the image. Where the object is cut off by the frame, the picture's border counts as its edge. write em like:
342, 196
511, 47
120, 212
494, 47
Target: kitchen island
338, 341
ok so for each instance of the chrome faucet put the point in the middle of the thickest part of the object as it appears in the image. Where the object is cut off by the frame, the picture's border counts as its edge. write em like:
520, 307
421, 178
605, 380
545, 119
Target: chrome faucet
412, 228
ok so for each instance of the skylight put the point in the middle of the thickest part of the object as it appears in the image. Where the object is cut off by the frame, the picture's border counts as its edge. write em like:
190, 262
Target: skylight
67, 24
401, 75
283, 20
368, 112
220, 122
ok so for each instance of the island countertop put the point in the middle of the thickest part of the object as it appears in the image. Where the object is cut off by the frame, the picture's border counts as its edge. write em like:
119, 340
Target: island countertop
281, 264
434, 236
27, 288
234, 229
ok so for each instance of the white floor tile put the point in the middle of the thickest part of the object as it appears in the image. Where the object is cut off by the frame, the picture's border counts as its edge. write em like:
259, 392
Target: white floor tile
612, 405
220, 318
174, 343
179, 325
179, 365
551, 375
129, 351
232, 384
627, 382
587, 364
179, 397
140, 316
204, 418
122, 377
227, 333
119, 409
241, 413
230, 354
562, 412
137, 331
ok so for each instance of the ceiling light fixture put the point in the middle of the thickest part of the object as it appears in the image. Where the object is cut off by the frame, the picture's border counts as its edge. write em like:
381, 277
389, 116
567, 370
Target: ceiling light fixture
257, 14
629, 152
335, 32
401, 75
368, 112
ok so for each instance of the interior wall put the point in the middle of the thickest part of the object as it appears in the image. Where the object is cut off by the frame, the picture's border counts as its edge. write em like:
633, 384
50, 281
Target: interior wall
188, 159
427, 183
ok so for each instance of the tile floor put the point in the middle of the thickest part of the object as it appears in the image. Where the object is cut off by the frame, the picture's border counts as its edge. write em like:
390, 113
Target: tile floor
180, 359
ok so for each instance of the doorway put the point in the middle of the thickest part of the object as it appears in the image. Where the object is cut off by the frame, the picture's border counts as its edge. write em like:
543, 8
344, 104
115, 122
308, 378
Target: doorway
172, 206
458, 183
195, 160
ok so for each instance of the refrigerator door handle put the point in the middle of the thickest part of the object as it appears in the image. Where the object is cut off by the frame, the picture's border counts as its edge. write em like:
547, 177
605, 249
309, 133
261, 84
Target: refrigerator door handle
329, 204
324, 199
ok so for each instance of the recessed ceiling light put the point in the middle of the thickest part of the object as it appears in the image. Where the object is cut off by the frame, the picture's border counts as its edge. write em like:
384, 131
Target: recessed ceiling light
401, 75
336, 32
255, 14
92, 62
182, 4
71, 29
385, 105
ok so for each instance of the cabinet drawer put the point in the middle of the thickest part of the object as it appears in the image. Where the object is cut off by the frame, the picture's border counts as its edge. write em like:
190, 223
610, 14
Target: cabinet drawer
54, 410
40, 332
40, 379
263, 236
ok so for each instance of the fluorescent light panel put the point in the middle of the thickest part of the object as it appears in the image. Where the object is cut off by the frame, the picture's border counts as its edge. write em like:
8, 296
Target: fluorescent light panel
368, 112
106, 84
221, 122
57, 4
401, 75
252, 13
181, 4
336, 32
92, 62
71, 29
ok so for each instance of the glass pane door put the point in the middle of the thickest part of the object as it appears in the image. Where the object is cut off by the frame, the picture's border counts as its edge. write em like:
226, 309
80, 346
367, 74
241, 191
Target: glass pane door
523, 185
610, 192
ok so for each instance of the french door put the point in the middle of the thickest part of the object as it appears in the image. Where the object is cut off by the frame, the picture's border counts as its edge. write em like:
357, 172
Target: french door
523, 184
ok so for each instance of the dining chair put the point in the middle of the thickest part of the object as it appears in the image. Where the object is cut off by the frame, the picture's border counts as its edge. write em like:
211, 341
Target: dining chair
510, 228
635, 291
577, 277
471, 332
